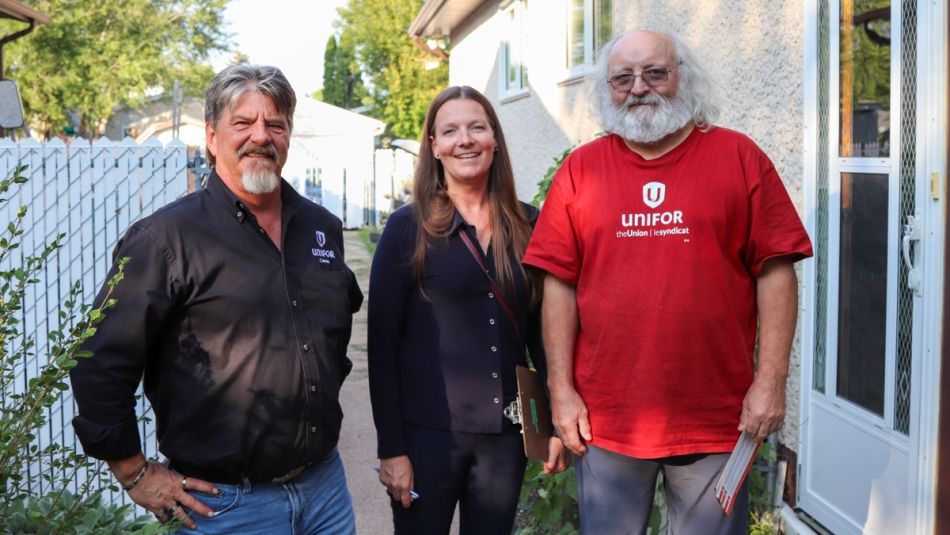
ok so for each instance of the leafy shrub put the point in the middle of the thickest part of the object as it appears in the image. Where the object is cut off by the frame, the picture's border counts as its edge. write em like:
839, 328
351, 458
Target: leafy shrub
762, 516
548, 503
25, 409
545, 184
68, 513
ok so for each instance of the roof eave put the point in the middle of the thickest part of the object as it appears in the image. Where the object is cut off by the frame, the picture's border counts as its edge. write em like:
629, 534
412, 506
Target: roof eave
15, 10
438, 18
425, 17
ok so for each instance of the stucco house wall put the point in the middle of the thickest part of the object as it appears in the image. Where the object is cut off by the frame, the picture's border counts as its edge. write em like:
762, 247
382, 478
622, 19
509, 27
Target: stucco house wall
754, 51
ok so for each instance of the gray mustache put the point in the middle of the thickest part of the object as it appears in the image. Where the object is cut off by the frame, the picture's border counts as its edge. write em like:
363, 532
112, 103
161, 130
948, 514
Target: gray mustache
262, 150
653, 100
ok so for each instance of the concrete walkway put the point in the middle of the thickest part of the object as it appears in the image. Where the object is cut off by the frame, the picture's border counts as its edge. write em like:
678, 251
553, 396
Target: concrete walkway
358, 437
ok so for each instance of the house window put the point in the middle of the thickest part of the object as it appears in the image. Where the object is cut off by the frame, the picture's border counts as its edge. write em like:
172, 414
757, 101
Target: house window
514, 73
588, 30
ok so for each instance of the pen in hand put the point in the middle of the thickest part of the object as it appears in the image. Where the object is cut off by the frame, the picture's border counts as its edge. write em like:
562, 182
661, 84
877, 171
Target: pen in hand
413, 495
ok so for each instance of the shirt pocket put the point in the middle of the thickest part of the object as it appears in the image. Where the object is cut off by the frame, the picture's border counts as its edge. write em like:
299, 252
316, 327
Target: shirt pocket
327, 292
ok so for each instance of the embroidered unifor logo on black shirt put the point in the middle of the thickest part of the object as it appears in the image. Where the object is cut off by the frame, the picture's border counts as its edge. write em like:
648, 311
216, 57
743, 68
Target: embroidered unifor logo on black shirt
325, 255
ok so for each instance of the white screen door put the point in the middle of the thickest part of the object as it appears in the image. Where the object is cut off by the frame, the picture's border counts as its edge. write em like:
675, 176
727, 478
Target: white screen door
860, 452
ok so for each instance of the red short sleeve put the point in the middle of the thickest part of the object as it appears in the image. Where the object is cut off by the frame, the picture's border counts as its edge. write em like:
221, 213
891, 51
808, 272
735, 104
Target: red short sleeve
554, 245
775, 227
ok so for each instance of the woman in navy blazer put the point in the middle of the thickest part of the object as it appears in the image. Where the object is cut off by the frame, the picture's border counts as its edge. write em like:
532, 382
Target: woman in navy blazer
442, 350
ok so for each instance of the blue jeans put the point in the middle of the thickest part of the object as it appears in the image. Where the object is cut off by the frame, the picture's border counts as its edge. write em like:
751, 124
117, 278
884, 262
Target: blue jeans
315, 502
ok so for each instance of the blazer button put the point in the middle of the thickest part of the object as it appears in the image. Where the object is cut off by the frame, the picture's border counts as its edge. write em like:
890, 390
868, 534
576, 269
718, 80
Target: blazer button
494, 375
494, 349
306, 347
491, 295
496, 400
491, 321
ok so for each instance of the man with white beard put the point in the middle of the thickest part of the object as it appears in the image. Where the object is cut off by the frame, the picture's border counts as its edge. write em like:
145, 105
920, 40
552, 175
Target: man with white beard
236, 308
667, 245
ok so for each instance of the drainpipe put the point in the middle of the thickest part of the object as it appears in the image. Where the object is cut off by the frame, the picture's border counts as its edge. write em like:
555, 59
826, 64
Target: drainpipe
13, 37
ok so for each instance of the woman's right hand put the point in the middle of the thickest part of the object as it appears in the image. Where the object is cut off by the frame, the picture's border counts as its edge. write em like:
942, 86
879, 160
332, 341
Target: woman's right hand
395, 473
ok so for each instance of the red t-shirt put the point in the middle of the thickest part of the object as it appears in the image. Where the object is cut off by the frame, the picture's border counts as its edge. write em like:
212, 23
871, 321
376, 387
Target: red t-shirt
664, 255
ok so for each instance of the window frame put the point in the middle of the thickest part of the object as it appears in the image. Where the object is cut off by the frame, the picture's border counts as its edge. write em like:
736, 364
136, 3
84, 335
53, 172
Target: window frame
589, 35
512, 50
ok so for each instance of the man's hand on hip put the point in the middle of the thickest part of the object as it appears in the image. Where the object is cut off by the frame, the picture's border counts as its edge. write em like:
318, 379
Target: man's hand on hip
763, 409
162, 491
570, 418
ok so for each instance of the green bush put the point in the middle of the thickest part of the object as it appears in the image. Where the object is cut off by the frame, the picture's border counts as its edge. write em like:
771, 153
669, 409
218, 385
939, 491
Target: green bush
25, 466
762, 516
545, 184
548, 503
68, 513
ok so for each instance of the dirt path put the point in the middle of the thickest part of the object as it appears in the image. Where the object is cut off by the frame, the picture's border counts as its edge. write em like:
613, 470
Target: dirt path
358, 437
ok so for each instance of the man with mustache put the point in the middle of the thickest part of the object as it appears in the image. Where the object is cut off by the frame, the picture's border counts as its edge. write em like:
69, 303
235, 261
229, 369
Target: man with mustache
236, 308
667, 244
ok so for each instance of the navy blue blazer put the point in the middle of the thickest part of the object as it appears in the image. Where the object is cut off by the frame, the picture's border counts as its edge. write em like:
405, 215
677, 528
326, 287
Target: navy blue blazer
444, 360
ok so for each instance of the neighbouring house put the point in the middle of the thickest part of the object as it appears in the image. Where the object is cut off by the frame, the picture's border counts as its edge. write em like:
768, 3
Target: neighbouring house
158, 120
849, 99
330, 160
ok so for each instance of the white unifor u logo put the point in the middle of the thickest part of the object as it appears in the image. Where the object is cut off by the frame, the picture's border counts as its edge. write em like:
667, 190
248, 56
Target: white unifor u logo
321, 238
654, 194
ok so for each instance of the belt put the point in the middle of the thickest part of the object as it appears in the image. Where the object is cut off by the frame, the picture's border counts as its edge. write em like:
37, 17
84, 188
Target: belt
220, 476
293, 473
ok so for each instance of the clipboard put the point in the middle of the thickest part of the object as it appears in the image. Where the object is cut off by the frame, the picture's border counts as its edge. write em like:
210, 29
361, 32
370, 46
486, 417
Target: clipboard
535, 414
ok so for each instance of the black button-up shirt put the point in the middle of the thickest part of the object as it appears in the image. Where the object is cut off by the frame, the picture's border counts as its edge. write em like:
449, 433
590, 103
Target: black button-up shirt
242, 345
446, 359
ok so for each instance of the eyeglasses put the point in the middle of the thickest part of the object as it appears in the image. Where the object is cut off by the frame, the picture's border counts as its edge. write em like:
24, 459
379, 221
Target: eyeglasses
651, 77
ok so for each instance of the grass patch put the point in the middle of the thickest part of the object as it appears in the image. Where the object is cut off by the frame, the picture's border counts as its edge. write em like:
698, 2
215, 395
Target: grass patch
364, 233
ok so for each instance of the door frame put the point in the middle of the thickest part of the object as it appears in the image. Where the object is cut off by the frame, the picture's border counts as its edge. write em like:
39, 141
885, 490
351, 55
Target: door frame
932, 147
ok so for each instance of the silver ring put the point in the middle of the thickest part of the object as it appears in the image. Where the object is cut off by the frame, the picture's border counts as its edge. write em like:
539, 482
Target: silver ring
184, 483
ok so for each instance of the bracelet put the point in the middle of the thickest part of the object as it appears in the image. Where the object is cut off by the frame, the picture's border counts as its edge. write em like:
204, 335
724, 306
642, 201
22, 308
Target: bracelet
137, 479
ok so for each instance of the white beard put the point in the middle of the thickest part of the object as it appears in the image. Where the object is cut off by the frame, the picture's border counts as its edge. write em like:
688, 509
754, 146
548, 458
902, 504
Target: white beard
260, 181
656, 118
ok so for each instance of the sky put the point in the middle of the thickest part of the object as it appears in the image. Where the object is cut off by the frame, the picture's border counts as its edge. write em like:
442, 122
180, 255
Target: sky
289, 34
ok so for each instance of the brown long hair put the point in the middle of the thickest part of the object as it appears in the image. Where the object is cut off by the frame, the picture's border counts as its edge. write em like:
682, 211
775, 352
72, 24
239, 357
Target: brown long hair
434, 210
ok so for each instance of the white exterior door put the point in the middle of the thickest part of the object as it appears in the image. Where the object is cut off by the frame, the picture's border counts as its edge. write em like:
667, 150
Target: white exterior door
866, 368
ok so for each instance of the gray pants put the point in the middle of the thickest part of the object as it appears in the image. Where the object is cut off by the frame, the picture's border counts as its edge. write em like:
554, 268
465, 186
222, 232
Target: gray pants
615, 494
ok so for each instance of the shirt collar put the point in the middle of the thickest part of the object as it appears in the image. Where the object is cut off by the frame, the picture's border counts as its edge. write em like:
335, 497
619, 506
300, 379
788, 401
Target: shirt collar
289, 198
457, 221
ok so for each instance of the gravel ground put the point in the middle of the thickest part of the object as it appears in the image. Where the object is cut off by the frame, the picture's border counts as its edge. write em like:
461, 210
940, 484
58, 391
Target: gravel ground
358, 436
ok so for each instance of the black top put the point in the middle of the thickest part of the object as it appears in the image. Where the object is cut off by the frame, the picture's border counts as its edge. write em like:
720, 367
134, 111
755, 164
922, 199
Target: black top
446, 359
243, 348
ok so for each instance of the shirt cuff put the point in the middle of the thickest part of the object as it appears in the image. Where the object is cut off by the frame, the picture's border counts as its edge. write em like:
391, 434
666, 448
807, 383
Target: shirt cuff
108, 442
391, 444
551, 267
